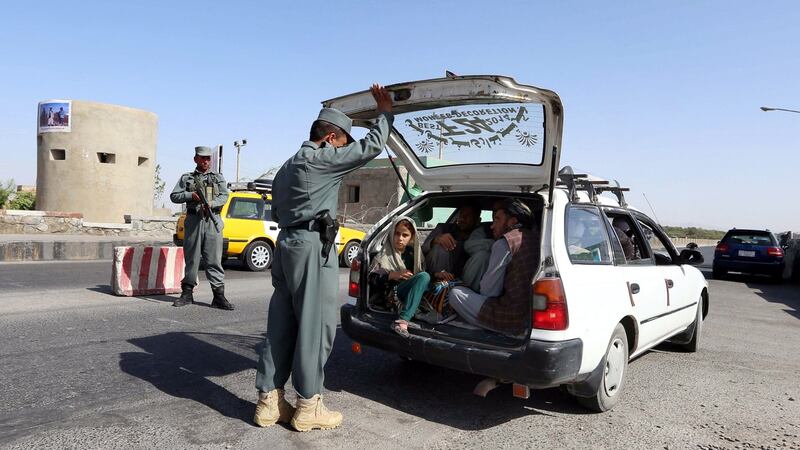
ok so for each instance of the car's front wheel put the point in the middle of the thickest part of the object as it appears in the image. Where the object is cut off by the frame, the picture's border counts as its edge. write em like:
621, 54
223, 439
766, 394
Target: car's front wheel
258, 256
349, 253
615, 367
697, 327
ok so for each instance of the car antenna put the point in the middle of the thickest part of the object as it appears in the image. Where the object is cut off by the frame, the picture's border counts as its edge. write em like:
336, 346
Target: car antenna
651, 207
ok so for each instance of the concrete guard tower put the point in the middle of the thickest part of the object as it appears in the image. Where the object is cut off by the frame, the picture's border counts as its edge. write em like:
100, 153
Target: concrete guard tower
100, 162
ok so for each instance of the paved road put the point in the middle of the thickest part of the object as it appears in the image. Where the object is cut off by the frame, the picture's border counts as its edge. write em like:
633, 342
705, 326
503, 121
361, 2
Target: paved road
83, 369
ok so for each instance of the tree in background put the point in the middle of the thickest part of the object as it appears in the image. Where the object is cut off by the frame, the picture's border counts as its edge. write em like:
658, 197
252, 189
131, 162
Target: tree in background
23, 200
6, 189
158, 187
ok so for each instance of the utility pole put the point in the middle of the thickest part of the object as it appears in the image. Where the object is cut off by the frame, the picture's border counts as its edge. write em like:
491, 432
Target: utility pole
238, 145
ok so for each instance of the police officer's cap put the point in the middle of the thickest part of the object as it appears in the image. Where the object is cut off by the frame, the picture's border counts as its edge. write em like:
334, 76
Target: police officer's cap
202, 151
338, 118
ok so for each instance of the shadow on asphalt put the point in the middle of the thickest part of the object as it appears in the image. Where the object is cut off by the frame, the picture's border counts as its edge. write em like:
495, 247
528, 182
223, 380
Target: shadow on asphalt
179, 365
433, 393
786, 293
102, 288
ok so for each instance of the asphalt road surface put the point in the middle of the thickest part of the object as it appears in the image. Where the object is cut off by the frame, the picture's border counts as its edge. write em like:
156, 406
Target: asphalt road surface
81, 368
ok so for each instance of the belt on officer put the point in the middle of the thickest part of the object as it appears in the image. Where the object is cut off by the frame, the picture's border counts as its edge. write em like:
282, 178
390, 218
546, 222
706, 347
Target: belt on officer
309, 225
193, 212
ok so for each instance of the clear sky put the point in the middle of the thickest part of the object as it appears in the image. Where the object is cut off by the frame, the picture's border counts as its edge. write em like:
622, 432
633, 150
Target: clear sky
663, 96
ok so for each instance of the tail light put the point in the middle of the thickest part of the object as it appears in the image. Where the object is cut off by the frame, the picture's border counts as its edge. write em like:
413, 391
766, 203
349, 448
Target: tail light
549, 305
355, 276
775, 251
721, 248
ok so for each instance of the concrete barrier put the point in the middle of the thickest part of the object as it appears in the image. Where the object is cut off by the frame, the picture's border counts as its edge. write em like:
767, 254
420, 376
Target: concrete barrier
147, 270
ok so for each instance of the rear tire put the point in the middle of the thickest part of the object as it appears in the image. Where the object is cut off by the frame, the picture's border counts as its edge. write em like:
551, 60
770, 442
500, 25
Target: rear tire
258, 256
615, 364
778, 277
718, 274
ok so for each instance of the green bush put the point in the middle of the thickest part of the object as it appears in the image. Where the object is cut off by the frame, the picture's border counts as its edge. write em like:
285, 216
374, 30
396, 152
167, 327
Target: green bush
6, 190
694, 232
23, 200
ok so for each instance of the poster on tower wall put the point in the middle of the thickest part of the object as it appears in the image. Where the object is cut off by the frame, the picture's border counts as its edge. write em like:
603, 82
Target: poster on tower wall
55, 116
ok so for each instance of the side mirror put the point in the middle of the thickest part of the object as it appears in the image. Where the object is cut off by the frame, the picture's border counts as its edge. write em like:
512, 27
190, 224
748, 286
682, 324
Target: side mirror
693, 257
691, 246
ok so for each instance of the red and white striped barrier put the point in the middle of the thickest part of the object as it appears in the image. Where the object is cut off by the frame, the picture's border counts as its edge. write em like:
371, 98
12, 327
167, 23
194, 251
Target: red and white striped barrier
147, 270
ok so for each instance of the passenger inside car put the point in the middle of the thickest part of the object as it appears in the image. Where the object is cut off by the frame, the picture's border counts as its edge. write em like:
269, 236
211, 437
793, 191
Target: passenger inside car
397, 272
444, 248
626, 238
502, 302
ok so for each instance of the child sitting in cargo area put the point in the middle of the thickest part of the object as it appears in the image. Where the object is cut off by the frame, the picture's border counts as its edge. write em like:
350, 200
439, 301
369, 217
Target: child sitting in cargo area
398, 268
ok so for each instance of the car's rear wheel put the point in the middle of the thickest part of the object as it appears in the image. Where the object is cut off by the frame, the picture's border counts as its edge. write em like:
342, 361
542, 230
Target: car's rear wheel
615, 367
349, 253
718, 274
258, 256
778, 276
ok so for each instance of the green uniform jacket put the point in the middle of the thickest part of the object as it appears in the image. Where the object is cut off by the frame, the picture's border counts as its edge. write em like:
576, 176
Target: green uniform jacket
182, 193
309, 181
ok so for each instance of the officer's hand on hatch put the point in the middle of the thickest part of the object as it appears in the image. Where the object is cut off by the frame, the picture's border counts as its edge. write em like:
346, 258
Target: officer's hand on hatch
382, 97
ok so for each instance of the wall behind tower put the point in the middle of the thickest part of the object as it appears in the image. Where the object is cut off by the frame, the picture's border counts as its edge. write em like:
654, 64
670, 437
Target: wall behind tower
108, 165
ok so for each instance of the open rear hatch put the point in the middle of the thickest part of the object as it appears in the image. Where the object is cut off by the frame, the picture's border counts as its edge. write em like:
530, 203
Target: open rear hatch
466, 133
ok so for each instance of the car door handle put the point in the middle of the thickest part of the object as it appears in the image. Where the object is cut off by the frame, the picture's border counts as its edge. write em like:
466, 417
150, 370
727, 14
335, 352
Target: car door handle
634, 288
273, 228
670, 284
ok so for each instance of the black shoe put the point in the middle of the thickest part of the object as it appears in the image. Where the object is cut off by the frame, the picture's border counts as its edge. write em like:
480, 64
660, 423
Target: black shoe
219, 300
186, 297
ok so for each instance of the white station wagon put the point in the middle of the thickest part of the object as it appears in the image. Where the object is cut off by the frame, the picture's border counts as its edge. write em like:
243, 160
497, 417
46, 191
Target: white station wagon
597, 299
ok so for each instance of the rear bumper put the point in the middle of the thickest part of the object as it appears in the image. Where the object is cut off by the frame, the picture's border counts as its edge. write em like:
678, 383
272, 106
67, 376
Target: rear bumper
749, 266
538, 364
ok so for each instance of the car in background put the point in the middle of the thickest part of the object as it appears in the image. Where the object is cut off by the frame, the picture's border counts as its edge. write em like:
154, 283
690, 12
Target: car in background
250, 234
748, 251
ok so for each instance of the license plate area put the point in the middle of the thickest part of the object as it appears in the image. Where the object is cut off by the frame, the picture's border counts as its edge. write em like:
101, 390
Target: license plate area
747, 253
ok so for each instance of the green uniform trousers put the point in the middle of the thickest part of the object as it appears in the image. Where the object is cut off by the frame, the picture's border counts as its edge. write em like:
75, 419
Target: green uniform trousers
301, 322
200, 239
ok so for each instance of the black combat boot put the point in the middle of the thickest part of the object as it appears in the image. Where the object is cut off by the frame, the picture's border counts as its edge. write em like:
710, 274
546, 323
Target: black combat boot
219, 300
186, 297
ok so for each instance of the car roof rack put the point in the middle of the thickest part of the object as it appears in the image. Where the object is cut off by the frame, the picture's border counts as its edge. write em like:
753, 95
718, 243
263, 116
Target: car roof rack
591, 184
260, 186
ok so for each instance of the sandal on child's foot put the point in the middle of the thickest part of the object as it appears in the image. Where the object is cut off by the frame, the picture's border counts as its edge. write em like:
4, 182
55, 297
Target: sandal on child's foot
398, 328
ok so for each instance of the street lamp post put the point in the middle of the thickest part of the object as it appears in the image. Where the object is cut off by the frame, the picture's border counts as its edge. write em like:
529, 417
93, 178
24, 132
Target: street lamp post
767, 108
238, 145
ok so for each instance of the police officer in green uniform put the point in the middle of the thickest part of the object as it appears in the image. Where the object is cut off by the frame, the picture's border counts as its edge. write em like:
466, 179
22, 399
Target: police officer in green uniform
202, 238
301, 323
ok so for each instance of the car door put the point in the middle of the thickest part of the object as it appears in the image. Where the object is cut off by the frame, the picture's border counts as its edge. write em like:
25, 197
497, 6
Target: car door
644, 281
245, 219
680, 303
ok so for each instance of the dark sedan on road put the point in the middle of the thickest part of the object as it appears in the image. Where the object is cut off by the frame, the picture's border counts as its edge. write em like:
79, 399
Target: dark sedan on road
749, 251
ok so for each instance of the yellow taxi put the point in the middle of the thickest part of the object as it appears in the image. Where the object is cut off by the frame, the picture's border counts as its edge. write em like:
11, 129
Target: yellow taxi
250, 234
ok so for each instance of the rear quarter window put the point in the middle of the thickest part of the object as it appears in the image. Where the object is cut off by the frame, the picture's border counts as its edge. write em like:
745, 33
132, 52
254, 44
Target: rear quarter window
750, 238
586, 237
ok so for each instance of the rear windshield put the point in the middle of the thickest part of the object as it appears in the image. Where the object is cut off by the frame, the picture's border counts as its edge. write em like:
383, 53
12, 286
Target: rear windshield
752, 238
475, 133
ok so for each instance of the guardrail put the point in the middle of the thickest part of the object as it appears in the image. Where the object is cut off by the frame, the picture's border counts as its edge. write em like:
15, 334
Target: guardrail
682, 242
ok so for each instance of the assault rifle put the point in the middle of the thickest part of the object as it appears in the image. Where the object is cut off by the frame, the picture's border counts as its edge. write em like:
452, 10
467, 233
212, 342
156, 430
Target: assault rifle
199, 188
